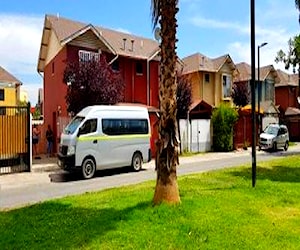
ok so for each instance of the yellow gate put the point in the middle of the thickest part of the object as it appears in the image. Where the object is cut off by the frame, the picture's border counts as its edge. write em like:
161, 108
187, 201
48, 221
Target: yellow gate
14, 139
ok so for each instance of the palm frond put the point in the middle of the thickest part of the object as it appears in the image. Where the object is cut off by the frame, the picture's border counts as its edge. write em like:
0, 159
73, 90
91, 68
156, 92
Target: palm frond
155, 9
297, 3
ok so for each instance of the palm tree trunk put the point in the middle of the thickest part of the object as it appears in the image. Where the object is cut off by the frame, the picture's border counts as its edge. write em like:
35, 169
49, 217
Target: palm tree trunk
168, 143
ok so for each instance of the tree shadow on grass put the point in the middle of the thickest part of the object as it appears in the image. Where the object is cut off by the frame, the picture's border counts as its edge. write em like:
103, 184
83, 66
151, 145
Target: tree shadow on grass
275, 173
54, 225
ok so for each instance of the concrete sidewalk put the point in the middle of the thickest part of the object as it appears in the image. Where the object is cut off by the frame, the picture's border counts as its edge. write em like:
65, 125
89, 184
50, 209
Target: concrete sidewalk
49, 164
44, 164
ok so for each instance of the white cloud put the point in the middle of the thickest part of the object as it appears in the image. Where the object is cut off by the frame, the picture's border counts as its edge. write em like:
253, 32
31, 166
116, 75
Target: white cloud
123, 30
20, 41
241, 51
218, 24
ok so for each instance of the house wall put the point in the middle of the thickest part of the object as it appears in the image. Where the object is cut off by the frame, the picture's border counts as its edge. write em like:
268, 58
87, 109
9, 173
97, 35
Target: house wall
10, 97
195, 80
203, 90
286, 96
154, 83
212, 91
55, 90
53, 47
208, 88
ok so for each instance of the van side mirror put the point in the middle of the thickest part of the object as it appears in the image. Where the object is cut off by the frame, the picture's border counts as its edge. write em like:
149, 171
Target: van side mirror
79, 132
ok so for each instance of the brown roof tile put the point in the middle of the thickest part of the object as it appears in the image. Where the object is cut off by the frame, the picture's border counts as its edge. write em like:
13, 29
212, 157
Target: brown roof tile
244, 70
286, 79
5, 76
199, 62
143, 48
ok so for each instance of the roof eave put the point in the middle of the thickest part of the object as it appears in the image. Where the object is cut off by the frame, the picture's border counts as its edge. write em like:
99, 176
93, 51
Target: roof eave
84, 30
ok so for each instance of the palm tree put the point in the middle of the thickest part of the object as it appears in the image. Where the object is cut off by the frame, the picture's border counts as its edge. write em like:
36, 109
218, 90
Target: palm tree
166, 190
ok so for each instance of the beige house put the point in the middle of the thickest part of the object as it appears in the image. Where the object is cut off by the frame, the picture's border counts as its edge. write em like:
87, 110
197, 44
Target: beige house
211, 78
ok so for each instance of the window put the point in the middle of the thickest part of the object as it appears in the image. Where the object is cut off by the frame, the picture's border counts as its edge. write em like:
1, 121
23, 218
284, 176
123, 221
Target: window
206, 78
2, 111
226, 79
89, 126
85, 56
115, 65
2, 96
139, 68
124, 126
52, 68
269, 90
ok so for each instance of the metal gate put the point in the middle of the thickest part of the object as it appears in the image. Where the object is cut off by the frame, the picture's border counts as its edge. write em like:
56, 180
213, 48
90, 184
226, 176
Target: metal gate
14, 139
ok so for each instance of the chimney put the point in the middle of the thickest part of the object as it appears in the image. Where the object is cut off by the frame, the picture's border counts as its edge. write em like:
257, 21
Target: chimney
132, 42
202, 61
142, 43
124, 43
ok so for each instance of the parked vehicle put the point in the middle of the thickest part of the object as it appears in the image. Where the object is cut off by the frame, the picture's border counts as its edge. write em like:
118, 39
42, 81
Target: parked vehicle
273, 137
103, 137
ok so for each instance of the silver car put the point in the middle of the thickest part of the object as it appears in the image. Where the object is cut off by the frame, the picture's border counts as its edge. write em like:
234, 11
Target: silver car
273, 137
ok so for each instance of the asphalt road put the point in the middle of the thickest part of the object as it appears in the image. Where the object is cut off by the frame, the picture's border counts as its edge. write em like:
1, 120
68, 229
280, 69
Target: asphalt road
30, 188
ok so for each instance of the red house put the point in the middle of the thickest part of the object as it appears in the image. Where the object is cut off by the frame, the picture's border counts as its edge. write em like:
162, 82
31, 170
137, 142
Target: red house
136, 58
286, 90
286, 94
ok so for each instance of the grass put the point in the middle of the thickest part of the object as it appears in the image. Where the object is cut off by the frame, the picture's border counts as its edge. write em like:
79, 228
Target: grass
219, 210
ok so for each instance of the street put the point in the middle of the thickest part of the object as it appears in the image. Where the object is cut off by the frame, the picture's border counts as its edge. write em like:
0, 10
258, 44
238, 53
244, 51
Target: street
28, 188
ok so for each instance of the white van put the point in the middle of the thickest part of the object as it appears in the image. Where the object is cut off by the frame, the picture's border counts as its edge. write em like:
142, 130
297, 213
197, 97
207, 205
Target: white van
103, 137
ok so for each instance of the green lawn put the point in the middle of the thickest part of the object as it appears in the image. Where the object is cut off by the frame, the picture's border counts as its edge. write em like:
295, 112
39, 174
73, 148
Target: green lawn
219, 210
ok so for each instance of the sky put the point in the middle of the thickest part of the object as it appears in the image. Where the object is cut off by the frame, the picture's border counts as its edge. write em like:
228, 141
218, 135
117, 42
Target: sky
212, 28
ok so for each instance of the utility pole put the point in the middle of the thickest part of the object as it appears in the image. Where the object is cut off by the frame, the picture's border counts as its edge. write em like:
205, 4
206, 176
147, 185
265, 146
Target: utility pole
259, 85
252, 24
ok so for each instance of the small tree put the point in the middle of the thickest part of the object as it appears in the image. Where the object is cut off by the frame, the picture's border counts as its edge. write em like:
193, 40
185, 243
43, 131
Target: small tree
92, 82
223, 119
184, 96
292, 57
240, 94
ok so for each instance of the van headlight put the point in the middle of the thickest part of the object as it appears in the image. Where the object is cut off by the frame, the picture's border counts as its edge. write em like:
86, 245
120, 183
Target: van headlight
71, 150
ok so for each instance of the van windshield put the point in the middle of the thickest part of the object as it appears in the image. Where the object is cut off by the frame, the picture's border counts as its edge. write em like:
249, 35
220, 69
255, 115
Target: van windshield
271, 130
73, 125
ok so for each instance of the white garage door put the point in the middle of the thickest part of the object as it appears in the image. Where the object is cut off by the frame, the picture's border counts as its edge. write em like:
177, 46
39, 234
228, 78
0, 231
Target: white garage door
200, 135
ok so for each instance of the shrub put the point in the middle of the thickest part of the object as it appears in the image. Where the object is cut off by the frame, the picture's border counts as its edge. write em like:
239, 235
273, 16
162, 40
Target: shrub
223, 119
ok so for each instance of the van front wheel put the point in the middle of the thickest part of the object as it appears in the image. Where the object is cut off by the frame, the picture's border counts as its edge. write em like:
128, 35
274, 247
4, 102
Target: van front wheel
88, 168
137, 162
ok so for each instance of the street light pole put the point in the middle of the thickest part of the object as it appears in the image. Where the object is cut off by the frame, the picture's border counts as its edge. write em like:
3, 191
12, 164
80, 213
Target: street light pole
259, 85
252, 39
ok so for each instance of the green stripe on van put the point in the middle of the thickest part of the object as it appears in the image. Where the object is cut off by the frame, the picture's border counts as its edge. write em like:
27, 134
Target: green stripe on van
112, 137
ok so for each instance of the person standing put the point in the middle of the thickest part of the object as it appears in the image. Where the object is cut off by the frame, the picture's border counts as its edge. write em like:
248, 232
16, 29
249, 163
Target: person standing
50, 139
35, 140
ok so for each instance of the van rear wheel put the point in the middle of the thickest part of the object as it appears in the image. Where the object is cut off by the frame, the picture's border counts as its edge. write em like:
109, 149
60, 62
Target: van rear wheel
88, 168
137, 162
286, 146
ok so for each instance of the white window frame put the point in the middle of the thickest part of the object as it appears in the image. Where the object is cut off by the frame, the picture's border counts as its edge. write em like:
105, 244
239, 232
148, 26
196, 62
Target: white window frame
226, 88
86, 56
